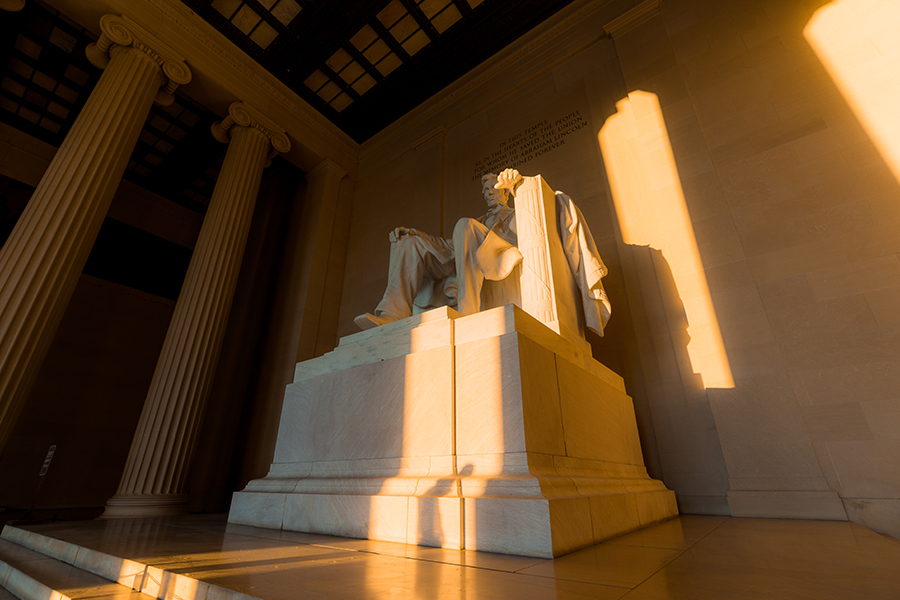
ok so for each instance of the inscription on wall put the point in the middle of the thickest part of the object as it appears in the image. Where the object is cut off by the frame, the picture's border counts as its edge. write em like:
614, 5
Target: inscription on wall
533, 141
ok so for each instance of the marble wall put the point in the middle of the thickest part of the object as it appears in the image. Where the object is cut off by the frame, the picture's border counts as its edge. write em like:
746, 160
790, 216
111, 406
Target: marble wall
793, 210
87, 399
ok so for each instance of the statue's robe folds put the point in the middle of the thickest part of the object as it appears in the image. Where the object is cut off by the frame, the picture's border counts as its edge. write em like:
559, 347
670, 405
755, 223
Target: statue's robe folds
584, 261
425, 270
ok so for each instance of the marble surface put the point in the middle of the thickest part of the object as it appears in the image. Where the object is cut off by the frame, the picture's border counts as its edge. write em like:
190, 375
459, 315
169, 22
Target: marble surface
418, 333
819, 504
29, 575
686, 557
385, 409
488, 433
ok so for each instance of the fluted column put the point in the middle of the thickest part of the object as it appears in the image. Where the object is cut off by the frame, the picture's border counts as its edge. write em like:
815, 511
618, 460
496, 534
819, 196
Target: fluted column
46, 252
156, 471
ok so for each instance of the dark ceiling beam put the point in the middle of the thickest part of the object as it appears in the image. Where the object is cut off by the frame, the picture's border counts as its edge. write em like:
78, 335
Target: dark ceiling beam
314, 38
394, 45
339, 81
266, 16
220, 22
421, 19
197, 5
362, 60
463, 7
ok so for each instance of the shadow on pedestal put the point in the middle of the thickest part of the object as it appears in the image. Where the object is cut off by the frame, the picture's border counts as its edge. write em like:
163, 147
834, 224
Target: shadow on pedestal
488, 432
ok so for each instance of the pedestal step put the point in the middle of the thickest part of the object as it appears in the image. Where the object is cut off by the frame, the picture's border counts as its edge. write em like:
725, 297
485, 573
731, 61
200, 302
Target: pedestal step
39, 567
487, 432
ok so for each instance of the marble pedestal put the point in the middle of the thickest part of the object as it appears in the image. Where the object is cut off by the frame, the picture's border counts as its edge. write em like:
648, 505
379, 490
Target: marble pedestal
488, 432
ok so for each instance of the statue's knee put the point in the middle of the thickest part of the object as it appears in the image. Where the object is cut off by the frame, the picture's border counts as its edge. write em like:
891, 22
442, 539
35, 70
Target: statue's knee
411, 243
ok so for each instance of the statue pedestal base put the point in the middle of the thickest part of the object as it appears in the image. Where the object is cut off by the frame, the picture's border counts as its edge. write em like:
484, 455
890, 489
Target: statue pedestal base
488, 432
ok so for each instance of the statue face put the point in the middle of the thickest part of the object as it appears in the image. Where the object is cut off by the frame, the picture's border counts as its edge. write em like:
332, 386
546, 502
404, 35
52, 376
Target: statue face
492, 196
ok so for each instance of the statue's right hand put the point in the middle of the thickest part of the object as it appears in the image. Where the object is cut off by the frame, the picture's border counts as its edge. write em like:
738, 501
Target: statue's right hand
508, 179
399, 233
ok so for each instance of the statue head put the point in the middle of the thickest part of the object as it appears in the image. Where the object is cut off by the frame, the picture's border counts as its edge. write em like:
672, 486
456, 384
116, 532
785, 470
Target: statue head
493, 196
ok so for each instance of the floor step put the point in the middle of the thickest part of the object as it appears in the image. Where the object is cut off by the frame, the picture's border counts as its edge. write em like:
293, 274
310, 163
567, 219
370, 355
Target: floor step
29, 575
150, 581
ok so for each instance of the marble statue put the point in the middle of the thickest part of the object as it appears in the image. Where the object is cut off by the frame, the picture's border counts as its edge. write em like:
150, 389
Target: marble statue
427, 271
405, 433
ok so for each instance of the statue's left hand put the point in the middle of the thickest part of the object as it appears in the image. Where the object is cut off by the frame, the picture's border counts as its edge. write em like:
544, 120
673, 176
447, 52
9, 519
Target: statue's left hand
401, 233
508, 179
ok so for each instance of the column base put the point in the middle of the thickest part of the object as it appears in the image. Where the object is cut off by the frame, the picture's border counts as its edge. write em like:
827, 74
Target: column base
145, 505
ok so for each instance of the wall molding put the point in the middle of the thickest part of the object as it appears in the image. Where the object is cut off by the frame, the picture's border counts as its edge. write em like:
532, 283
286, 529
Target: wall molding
638, 15
519, 51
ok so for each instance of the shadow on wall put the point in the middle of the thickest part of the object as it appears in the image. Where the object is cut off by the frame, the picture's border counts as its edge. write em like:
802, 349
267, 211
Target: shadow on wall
651, 211
678, 337
796, 207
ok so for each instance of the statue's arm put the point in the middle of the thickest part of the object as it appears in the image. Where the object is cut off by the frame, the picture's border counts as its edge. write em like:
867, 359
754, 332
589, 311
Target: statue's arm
401, 233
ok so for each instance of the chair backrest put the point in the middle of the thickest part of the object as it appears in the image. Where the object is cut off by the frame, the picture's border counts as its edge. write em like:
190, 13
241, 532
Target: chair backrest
542, 285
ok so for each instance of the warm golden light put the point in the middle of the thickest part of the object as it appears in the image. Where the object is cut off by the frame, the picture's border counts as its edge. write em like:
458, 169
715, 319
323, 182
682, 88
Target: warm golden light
858, 44
652, 212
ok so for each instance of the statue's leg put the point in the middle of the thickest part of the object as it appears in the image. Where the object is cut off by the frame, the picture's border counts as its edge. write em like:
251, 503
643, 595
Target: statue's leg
412, 258
467, 237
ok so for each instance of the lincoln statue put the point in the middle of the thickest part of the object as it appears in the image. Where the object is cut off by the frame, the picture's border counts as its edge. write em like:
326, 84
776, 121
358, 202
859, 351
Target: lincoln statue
427, 271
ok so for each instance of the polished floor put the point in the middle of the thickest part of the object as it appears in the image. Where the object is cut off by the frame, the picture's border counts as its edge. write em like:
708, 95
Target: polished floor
690, 557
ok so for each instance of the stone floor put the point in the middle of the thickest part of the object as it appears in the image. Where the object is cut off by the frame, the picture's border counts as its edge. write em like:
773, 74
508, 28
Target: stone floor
690, 557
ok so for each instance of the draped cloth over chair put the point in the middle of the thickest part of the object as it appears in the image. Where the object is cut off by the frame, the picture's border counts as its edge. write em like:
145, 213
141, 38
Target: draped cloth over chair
559, 279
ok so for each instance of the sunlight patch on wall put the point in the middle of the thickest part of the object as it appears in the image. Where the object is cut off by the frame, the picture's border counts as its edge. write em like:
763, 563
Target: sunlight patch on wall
652, 212
858, 43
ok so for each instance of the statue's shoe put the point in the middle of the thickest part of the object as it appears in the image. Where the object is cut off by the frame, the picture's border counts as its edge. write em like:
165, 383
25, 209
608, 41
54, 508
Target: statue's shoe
369, 321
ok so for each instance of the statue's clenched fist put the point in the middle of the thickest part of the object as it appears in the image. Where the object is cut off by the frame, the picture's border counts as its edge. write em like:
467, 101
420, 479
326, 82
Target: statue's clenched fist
399, 233
508, 179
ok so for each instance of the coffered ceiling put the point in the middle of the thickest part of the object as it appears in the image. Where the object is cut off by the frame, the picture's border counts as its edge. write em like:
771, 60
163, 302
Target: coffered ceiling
361, 63
365, 63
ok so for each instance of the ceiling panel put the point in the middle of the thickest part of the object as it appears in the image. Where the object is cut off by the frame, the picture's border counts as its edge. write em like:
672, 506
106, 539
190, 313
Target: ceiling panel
365, 63
46, 80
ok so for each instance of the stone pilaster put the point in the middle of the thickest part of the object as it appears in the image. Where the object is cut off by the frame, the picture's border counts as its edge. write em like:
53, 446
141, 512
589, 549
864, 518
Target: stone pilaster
156, 471
319, 210
46, 252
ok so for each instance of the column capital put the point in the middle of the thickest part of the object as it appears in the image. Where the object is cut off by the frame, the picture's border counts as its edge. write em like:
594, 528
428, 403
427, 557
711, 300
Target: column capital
241, 114
119, 31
